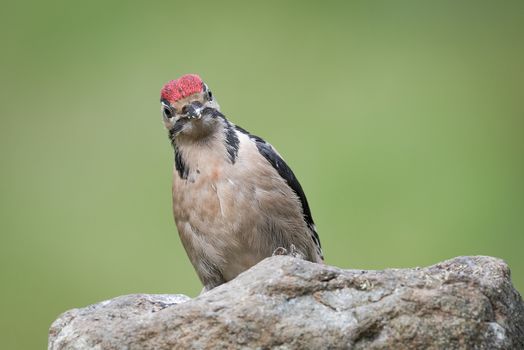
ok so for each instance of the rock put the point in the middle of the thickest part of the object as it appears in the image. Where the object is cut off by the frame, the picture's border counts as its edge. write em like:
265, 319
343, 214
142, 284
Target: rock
289, 303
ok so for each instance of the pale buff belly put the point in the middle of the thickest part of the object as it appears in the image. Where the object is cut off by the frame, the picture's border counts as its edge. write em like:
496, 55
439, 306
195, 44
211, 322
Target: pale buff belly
220, 224
231, 216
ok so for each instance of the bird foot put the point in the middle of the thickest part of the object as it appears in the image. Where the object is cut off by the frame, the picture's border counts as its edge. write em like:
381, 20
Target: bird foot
280, 251
293, 251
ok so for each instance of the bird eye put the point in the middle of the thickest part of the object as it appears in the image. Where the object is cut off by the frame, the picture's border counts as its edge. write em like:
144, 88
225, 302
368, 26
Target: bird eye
167, 113
208, 95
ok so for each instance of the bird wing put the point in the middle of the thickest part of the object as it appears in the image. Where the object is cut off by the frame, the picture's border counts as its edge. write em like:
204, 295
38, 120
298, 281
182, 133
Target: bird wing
271, 155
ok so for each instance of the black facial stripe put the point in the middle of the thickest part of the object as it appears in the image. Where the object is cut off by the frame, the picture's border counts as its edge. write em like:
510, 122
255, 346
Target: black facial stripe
180, 165
179, 124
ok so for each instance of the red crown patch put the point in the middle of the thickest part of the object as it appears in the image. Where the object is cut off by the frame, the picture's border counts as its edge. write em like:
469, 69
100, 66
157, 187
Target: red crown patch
182, 87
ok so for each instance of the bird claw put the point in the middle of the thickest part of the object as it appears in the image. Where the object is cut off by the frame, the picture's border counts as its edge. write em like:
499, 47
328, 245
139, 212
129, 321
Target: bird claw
293, 251
280, 251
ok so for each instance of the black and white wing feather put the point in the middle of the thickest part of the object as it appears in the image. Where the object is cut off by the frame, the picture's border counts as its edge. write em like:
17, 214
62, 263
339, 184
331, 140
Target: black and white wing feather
269, 153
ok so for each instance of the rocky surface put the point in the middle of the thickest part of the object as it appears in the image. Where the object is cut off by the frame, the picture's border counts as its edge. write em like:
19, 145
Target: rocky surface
288, 303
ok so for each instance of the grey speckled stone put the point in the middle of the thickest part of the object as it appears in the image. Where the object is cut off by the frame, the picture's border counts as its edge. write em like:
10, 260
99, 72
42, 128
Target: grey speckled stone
288, 303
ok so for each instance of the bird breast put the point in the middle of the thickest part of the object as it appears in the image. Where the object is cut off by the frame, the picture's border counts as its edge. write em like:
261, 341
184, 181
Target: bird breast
236, 213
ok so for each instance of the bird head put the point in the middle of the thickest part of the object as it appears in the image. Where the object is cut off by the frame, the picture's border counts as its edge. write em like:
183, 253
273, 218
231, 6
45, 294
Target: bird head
188, 107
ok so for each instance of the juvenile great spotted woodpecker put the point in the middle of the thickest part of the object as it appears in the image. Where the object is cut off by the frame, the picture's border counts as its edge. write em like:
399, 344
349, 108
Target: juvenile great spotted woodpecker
235, 200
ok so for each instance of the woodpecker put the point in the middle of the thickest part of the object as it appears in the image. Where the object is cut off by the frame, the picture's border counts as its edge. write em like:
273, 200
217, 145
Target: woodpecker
235, 200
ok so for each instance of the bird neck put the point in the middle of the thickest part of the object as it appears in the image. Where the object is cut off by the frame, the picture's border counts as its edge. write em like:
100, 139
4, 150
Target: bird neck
196, 151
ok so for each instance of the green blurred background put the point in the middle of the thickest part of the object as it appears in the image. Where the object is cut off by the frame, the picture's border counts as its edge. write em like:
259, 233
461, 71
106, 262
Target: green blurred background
403, 120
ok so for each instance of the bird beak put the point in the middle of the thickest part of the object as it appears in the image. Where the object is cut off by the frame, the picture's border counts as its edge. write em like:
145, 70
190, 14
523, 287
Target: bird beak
193, 112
